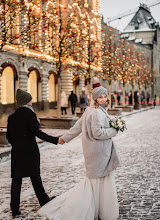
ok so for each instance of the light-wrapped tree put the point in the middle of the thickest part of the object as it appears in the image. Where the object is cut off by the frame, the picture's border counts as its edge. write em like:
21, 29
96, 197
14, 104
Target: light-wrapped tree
109, 57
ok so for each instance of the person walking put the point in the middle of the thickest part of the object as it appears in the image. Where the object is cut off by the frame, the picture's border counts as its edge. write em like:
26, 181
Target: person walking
136, 98
73, 101
83, 100
64, 102
22, 128
112, 100
119, 99
142, 99
95, 196
130, 98
148, 98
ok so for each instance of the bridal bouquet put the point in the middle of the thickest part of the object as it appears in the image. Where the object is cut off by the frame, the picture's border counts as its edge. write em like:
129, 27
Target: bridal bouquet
118, 123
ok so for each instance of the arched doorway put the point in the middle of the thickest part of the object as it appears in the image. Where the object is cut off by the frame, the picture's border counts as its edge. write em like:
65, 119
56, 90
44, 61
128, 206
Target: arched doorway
8, 83
52, 82
33, 84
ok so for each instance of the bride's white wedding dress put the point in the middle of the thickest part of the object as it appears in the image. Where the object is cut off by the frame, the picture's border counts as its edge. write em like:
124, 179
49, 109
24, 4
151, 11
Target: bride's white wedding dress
87, 200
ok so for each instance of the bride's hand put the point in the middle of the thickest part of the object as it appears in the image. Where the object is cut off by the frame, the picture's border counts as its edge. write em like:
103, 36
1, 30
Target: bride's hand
60, 141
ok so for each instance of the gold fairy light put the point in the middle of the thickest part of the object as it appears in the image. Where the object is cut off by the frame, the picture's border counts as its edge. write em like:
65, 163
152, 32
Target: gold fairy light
40, 42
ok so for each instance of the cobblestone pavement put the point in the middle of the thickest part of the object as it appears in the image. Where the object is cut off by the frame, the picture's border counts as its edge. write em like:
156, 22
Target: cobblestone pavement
138, 179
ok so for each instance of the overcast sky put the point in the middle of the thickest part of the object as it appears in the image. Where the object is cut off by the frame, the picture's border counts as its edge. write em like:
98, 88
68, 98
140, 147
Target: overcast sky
112, 8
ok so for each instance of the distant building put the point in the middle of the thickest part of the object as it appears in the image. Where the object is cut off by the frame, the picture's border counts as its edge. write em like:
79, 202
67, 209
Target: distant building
145, 32
113, 41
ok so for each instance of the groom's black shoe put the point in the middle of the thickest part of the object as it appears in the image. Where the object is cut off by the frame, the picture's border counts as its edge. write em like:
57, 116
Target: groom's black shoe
17, 215
52, 197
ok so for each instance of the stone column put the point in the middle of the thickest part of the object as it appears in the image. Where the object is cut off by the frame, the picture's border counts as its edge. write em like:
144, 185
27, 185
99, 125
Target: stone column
81, 84
44, 91
44, 87
39, 95
66, 82
23, 80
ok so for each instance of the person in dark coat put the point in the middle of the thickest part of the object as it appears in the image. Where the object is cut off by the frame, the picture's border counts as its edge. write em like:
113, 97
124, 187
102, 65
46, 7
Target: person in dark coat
148, 97
130, 98
73, 101
83, 100
135, 98
119, 99
112, 100
22, 128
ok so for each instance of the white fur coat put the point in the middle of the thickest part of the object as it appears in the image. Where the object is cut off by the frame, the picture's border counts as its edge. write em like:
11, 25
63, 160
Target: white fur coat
99, 151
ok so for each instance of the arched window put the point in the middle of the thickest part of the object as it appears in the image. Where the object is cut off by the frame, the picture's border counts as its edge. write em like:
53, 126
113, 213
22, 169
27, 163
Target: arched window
7, 85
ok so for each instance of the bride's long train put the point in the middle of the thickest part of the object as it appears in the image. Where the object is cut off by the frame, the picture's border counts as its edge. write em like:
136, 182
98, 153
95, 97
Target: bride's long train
87, 200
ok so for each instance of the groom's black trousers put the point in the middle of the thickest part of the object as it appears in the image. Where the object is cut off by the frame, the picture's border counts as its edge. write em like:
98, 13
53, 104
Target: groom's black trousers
16, 190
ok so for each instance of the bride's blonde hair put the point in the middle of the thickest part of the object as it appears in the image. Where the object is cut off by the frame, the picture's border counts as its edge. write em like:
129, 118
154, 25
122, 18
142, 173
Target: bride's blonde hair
96, 103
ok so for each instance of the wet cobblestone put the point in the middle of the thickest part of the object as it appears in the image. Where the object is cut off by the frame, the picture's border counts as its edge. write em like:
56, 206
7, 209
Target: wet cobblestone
138, 179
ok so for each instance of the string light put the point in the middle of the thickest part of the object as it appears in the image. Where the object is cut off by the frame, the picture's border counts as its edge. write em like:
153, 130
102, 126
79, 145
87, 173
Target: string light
37, 30
124, 61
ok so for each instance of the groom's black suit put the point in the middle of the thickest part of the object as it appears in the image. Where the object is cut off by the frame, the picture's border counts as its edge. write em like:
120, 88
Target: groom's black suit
22, 129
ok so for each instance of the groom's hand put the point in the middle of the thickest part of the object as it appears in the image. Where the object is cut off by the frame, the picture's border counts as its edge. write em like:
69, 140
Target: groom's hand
60, 141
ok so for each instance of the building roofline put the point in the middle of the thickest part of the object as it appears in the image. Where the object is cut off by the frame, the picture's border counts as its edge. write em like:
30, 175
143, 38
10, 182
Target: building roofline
134, 31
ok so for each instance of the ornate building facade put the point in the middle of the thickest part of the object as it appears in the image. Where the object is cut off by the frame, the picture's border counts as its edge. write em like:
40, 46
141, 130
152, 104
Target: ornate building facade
141, 38
34, 34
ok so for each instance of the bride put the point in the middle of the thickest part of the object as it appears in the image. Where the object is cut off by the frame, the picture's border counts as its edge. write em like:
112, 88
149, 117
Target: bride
95, 196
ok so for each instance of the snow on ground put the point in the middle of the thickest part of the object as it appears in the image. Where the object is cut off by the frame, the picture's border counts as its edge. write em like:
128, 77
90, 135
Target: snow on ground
137, 179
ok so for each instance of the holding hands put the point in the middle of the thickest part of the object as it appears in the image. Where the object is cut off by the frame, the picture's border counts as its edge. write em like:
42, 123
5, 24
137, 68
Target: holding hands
60, 141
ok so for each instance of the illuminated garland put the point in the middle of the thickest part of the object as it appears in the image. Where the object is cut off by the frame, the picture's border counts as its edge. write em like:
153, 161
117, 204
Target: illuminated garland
37, 27
124, 61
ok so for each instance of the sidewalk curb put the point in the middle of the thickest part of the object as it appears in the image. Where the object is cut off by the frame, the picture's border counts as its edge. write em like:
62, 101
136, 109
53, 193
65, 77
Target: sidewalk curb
40, 144
138, 111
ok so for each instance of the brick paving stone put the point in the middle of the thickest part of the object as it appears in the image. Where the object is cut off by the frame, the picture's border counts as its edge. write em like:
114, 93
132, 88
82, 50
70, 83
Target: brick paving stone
137, 179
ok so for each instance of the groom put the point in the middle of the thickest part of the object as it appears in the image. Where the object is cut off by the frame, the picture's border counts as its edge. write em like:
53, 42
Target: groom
22, 129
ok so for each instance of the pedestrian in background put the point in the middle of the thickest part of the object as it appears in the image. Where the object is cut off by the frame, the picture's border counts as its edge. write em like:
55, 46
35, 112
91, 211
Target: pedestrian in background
148, 97
83, 100
64, 102
154, 102
130, 98
142, 99
22, 128
136, 98
112, 100
73, 101
119, 99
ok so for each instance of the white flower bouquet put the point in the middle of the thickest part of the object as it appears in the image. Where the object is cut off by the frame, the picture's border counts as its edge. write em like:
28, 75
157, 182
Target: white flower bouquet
118, 123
